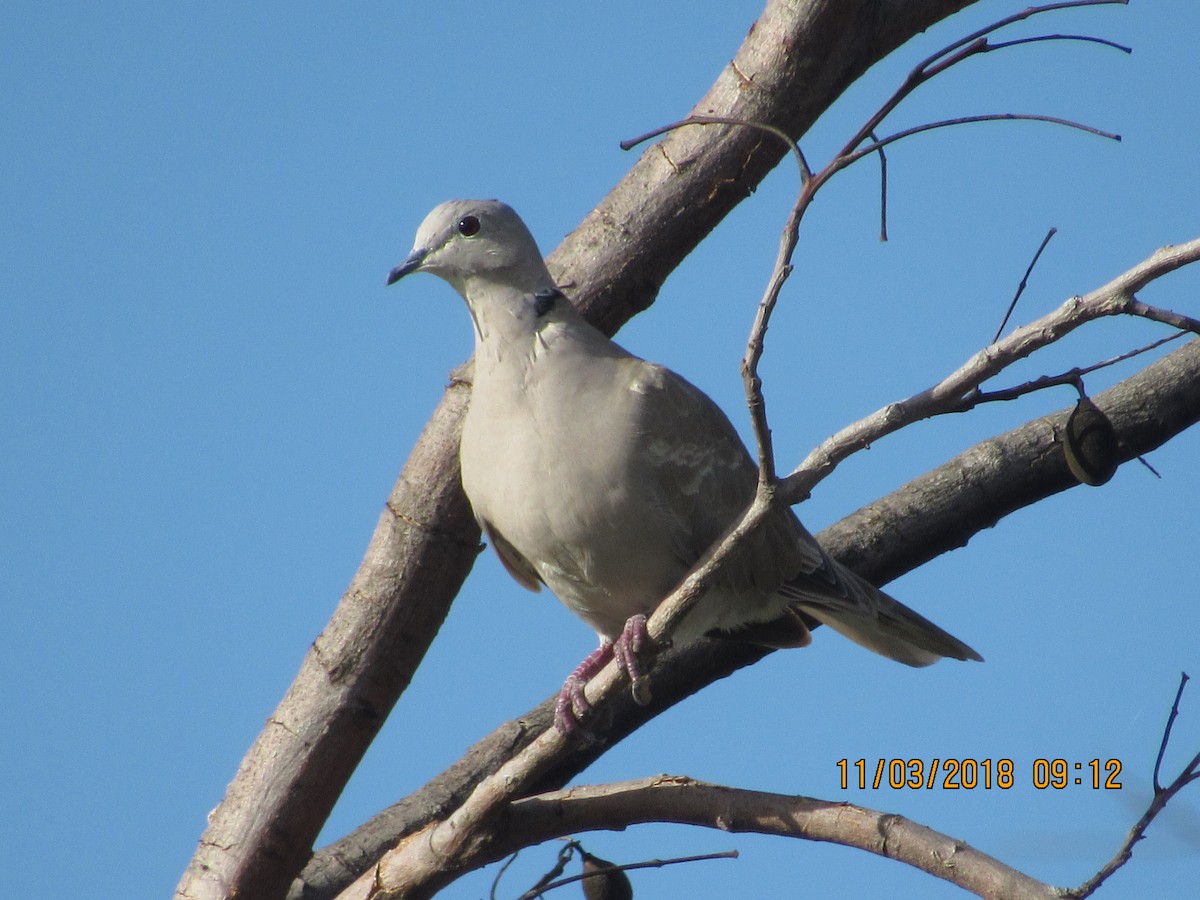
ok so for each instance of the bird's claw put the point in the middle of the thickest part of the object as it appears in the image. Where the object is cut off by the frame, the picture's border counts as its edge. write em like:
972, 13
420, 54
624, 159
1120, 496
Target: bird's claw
627, 649
572, 708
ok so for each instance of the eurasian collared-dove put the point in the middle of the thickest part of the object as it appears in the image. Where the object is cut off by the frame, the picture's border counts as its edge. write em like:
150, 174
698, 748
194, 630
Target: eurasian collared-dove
606, 477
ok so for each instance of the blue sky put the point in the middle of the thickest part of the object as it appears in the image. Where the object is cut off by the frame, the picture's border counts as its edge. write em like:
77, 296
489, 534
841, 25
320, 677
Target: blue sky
206, 393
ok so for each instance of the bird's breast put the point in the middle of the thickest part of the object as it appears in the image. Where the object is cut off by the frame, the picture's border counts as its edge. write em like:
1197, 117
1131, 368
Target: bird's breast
555, 467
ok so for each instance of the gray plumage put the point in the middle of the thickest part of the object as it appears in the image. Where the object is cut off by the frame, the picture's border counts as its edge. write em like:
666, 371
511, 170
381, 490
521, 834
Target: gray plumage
605, 477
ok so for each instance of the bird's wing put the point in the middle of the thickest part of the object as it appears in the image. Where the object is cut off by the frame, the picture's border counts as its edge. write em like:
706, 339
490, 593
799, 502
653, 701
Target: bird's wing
517, 565
705, 479
697, 469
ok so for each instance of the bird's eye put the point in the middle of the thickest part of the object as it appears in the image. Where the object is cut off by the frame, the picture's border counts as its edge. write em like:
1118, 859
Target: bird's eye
468, 226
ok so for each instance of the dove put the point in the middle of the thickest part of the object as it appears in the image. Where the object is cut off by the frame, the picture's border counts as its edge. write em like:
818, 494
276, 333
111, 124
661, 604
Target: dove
605, 477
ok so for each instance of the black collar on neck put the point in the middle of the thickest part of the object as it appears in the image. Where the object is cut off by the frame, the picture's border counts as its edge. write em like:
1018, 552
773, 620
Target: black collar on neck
544, 300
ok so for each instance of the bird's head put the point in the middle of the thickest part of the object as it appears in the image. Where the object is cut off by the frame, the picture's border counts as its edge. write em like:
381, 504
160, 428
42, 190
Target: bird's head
468, 241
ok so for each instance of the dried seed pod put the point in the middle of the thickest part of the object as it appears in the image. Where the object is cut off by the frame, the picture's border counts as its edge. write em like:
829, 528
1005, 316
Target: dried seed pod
611, 885
1090, 444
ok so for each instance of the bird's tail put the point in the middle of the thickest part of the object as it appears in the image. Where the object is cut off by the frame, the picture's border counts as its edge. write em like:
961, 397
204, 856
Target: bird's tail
879, 622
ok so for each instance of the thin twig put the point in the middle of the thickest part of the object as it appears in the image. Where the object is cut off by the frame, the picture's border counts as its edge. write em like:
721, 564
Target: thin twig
1024, 282
951, 55
1145, 462
1071, 376
544, 883
1162, 796
1166, 316
969, 120
949, 395
805, 171
512, 858
783, 268
627, 867
1085, 38
851, 153
883, 192
1166, 738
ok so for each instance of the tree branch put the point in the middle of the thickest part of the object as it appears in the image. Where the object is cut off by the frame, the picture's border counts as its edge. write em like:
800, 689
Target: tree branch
1162, 796
686, 801
956, 392
667, 798
544, 885
974, 44
1024, 283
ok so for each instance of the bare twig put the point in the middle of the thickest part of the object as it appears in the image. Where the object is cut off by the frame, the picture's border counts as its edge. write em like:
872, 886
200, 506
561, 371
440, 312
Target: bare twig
868, 149
1024, 282
951, 55
512, 858
805, 171
1166, 316
883, 192
812, 183
1084, 38
1020, 17
755, 344
1166, 738
1162, 796
949, 395
1153, 471
626, 867
1071, 376
783, 268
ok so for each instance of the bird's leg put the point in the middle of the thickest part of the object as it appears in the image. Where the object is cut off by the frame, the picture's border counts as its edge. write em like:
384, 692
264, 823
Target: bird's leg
634, 641
572, 706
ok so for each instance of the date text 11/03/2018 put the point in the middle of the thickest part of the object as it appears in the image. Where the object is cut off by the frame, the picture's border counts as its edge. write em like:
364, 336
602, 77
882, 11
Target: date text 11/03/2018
969, 774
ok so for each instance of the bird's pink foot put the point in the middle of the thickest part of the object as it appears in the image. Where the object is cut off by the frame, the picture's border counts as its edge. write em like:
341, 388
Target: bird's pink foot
572, 706
634, 641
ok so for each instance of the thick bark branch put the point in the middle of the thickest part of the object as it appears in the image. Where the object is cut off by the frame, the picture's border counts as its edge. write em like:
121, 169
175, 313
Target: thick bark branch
667, 798
796, 61
932, 514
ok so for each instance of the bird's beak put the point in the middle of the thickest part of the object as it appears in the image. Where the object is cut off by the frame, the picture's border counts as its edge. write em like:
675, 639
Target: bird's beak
409, 265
